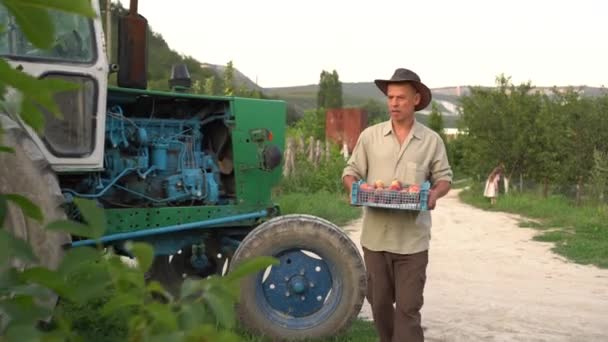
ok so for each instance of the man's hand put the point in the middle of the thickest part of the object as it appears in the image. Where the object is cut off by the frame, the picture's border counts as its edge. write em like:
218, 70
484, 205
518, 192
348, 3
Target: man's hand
432, 202
348, 185
439, 190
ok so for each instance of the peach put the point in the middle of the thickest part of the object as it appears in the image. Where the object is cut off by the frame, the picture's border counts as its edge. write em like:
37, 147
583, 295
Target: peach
366, 187
414, 188
395, 185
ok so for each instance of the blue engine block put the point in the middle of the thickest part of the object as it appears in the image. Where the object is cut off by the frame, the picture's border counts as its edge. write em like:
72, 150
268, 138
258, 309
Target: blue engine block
153, 161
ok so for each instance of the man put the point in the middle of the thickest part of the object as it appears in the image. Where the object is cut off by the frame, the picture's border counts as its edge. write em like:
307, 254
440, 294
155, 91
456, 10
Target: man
395, 242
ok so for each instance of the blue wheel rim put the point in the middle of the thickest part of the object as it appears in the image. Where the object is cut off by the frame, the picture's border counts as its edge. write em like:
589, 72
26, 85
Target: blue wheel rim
303, 291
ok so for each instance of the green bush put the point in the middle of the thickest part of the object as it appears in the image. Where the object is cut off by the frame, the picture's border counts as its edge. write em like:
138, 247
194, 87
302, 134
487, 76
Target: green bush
327, 176
100, 291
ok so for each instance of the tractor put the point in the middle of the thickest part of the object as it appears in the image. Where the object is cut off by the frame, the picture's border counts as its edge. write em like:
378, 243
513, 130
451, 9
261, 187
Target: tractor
189, 174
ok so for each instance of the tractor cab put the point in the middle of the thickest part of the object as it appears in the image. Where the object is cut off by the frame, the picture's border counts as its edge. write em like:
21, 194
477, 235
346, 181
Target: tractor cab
78, 56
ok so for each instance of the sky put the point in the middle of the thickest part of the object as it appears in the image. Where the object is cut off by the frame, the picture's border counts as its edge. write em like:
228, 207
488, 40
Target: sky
446, 42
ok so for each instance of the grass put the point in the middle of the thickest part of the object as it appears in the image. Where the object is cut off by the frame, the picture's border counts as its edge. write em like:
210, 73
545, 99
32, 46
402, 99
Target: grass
360, 331
333, 207
580, 233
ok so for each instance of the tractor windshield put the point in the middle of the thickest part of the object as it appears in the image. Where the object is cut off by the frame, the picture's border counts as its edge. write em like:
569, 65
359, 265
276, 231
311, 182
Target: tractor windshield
74, 39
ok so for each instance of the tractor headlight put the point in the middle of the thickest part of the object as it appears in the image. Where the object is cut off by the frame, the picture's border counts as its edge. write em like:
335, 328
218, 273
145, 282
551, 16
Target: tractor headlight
272, 157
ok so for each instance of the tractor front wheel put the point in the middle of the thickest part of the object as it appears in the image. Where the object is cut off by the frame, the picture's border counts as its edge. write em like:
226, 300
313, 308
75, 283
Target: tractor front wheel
26, 172
316, 291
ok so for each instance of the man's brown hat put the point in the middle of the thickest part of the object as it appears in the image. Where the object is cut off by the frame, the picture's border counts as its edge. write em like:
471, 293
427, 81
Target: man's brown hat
407, 76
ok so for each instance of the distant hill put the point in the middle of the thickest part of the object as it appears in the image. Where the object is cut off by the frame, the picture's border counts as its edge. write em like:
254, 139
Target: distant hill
356, 94
239, 77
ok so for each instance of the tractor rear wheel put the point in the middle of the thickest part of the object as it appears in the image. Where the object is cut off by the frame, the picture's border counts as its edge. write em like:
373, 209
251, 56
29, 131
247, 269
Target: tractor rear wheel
26, 172
316, 291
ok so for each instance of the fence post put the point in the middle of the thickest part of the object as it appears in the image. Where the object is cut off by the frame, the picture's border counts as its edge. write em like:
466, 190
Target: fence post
311, 149
345, 151
521, 183
301, 148
289, 165
318, 150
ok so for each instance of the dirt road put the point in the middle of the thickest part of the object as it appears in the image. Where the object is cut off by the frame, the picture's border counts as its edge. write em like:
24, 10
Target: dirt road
488, 281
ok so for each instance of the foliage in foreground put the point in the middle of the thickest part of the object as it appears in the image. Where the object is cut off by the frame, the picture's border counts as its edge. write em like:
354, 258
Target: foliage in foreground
89, 277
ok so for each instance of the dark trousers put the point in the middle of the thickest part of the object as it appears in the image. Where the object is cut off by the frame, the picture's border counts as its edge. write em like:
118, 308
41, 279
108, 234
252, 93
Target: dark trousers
396, 278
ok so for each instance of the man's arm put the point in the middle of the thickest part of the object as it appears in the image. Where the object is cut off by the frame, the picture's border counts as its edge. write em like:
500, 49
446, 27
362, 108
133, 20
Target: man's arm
440, 189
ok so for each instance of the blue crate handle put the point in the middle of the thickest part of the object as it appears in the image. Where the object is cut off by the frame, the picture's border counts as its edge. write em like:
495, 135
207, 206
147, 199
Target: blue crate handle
424, 195
355, 191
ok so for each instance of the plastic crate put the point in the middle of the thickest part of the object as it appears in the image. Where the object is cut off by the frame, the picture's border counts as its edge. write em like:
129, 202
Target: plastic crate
391, 199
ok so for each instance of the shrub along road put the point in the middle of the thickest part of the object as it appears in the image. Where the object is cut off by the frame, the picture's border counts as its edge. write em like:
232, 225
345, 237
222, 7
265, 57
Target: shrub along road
488, 280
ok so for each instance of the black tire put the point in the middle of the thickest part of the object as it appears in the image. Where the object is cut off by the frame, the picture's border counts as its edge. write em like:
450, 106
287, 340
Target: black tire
27, 173
318, 315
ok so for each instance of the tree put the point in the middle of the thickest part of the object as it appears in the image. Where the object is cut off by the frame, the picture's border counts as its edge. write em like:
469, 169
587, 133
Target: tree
376, 111
499, 123
312, 124
547, 144
329, 94
229, 79
210, 86
436, 120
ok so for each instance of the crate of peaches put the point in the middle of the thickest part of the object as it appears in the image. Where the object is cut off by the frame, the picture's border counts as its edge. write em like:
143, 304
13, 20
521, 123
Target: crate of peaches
394, 196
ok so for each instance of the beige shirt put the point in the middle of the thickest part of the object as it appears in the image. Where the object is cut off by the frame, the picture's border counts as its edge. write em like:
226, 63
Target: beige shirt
378, 156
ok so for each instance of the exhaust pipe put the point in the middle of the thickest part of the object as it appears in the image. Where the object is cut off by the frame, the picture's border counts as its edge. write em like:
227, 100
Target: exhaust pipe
133, 49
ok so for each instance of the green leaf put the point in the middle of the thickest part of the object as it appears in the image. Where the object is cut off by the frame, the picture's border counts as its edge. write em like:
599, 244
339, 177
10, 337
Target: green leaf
23, 309
77, 259
33, 17
93, 215
32, 116
23, 332
127, 279
119, 302
193, 315
144, 254
85, 274
33, 290
82, 7
6, 149
162, 316
9, 278
250, 266
33, 92
28, 207
190, 287
46, 278
34, 22
72, 227
177, 336
154, 287
10, 246
222, 306
90, 284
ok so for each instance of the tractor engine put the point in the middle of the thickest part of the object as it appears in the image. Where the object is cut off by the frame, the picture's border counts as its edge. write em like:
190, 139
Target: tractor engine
153, 162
